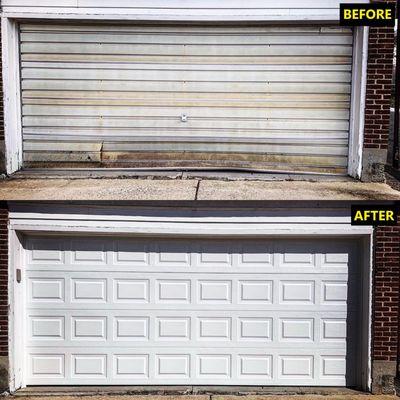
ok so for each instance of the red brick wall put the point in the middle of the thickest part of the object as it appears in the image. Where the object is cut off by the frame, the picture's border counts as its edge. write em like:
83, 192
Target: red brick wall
386, 293
3, 279
379, 86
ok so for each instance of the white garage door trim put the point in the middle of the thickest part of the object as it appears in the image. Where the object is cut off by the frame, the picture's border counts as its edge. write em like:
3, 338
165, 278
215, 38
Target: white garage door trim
175, 10
13, 117
17, 293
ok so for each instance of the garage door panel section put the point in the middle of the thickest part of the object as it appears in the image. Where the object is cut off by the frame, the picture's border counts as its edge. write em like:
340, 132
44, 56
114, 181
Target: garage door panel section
188, 311
212, 366
188, 255
246, 329
271, 97
185, 292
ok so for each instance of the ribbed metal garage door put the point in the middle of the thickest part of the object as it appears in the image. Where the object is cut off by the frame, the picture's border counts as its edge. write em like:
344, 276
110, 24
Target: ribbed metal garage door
263, 97
186, 311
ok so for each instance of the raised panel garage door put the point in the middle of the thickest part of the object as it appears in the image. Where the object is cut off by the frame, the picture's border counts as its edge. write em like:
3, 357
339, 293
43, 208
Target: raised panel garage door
275, 97
189, 311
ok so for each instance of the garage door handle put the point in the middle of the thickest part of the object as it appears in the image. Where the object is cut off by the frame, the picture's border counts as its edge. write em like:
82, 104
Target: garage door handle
18, 275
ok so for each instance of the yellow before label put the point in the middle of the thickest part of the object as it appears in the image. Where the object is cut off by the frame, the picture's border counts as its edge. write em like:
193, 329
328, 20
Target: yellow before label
380, 14
373, 14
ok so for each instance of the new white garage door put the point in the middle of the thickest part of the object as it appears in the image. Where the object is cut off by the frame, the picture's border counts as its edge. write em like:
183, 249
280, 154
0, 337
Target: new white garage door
274, 97
186, 311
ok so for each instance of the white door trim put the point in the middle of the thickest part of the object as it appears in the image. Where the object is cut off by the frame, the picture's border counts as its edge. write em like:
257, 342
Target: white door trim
89, 222
174, 10
12, 94
16, 316
358, 96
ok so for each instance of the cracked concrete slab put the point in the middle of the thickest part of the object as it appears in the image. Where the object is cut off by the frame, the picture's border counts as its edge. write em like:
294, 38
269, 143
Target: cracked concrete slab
97, 189
191, 189
299, 190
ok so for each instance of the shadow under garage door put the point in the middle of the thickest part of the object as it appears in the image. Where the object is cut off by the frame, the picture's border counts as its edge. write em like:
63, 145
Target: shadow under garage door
117, 311
275, 97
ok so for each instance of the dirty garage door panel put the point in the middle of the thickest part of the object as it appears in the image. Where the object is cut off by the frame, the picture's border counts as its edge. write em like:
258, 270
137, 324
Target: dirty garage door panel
264, 97
182, 311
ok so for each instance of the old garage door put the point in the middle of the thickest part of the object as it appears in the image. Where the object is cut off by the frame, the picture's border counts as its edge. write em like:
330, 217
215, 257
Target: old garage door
183, 311
264, 97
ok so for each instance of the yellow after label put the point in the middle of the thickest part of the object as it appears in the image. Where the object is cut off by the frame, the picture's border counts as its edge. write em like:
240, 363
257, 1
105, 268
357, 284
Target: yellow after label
374, 214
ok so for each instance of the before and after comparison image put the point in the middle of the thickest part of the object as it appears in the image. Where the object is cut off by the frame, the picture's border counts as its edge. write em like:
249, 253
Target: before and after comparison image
200, 200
